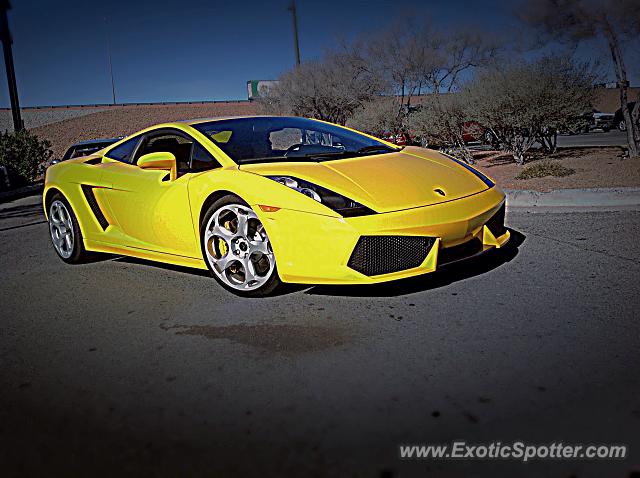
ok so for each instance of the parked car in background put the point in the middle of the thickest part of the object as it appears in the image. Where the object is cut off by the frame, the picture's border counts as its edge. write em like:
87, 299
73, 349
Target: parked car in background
401, 139
589, 121
473, 131
603, 121
618, 119
85, 148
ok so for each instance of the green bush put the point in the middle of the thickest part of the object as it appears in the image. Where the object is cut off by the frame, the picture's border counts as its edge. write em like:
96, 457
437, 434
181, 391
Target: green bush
544, 168
23, 154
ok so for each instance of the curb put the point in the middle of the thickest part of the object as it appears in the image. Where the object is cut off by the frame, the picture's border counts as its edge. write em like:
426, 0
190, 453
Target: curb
594, 197
18, 193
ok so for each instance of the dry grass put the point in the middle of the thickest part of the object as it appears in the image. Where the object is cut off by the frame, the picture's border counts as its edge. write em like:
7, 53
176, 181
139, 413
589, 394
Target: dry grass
543, 169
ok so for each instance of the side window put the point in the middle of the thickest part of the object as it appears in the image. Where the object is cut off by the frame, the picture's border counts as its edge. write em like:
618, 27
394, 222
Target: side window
124, 152
201, 160
174, 143
323, 139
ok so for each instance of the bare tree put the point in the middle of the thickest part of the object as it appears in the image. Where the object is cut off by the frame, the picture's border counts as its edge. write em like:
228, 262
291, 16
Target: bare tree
523, 102
331, 89
457, 52
402, 56
617, 22
414, 59
420, 58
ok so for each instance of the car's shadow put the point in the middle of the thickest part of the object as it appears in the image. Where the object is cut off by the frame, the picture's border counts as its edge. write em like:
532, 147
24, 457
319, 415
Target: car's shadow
444, 276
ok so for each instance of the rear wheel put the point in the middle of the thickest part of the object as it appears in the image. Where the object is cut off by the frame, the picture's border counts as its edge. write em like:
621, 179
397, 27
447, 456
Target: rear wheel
622, 126
66, 236
237, 249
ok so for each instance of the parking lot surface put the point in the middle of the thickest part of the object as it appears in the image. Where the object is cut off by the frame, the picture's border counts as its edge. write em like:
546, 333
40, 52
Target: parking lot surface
129, 368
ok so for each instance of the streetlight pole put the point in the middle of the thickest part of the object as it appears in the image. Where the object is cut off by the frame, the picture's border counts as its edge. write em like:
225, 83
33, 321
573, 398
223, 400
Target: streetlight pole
113, 84
5, 37
294, 17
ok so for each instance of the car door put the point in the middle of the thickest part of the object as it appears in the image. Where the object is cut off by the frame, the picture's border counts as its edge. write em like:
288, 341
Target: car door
151, 211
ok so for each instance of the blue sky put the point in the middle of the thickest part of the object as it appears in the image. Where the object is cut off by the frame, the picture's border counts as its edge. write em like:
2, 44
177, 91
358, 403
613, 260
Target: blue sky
180, 51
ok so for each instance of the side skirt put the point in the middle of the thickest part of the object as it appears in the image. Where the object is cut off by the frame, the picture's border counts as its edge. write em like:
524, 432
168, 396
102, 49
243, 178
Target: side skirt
184, 261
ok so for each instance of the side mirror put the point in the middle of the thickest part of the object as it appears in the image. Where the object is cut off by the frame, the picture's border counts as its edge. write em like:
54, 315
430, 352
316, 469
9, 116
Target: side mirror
163, 161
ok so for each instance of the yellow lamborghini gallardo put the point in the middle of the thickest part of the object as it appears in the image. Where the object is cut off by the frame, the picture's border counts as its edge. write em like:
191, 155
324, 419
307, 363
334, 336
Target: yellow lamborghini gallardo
265, 200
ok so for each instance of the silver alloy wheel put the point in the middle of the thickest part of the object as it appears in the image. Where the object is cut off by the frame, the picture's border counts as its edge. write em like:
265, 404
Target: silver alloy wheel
61, 228
237, 247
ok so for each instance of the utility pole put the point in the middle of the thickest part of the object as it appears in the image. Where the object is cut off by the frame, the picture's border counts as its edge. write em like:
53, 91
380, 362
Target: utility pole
5, 37
113, 84
294, 17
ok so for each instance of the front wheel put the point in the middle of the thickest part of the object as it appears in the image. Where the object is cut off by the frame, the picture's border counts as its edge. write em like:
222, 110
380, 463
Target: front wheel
237, 249
66, 236
622, 126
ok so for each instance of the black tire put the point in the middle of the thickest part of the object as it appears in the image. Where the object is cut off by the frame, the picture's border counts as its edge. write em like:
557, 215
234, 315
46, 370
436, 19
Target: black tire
78, 253
622, 126
266, 289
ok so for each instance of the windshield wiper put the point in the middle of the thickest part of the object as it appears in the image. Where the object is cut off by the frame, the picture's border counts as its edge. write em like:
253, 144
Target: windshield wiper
267, 159
328, 155
377, 147
347, 154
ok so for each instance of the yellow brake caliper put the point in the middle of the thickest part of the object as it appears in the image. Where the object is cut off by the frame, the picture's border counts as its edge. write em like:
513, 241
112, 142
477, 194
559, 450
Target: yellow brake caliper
222, 245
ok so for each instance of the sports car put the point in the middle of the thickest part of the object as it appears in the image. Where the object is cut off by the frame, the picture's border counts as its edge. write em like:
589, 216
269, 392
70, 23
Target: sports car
261, 201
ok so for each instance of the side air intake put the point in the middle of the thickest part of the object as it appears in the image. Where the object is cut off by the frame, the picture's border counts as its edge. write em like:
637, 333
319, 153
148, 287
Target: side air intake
94, 206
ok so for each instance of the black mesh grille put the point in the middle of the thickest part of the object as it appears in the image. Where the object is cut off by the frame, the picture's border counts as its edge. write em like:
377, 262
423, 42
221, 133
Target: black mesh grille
375, 255
496, 223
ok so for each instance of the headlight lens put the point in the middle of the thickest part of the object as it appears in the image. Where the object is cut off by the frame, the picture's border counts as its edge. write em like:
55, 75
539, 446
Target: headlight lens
342, 205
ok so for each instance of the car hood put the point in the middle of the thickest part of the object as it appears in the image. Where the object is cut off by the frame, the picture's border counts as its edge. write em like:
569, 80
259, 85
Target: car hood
385, 182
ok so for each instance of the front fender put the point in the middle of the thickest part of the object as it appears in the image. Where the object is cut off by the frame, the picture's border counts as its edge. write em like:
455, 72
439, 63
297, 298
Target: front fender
256, 190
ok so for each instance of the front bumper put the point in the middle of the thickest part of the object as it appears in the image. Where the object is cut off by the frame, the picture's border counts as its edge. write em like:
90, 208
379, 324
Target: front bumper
316, 249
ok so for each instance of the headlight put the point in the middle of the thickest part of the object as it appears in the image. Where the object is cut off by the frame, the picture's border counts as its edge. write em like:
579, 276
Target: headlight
340, 204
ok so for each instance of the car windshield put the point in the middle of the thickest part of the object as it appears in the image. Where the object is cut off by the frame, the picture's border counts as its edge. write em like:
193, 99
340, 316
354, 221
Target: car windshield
267, 139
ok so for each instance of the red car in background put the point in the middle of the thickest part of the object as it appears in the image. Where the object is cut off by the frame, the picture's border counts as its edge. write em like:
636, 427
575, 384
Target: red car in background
472, 131
401, 139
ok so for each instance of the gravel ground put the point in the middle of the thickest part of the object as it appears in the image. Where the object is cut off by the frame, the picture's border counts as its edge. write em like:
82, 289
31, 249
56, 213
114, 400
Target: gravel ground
601, 167
124, 120
36, 118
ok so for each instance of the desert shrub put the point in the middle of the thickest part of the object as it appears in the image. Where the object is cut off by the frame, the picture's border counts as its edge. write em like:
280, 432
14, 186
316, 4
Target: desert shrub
23, 154
382, 115
523, 102
543, 169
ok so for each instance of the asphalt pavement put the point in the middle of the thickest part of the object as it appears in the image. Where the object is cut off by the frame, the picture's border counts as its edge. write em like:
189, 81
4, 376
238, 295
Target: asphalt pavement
595, 138
123, 367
